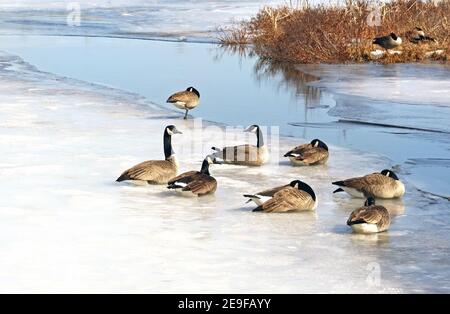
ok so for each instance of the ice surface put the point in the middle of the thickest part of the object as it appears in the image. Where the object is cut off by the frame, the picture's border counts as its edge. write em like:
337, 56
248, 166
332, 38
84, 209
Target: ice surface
420, 84
68, 227
174, 19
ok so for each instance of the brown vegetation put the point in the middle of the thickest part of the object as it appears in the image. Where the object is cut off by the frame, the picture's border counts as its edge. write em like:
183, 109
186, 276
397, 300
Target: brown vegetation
331, 34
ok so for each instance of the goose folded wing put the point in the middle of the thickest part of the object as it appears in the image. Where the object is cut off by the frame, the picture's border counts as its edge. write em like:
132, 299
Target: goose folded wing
183, 96
366, 215
201, 185
271, 192
148, 170
286, 199
244, 152
299, 149
313, 155
184, 177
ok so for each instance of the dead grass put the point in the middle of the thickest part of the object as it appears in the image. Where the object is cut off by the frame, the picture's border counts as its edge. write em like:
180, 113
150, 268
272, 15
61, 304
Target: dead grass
339, 34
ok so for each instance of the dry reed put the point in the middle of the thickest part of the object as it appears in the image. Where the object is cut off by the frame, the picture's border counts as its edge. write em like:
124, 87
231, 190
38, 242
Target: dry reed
344, 33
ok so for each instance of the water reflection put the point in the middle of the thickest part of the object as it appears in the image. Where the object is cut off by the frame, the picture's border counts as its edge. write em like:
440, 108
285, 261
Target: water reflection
291, 79
288, 75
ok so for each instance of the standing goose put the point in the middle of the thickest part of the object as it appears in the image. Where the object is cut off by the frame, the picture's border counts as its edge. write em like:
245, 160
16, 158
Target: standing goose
296, 196
370, 218
381, 185
245, 155
156, 171
314, 153
196, 183
187, 100
390, 41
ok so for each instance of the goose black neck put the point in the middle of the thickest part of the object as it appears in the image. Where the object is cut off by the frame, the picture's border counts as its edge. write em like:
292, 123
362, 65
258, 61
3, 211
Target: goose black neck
259, 138
305, 187
168, 151
205, 167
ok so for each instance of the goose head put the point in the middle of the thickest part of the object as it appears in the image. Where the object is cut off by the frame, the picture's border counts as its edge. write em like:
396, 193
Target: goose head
252, 128
318, 143
210, 159
389, 173
193, 90
394, 36
171, 130
419, 31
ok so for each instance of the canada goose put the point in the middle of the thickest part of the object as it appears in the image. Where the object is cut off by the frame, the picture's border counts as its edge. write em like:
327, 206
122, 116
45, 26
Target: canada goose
245, 155
187, 100
418, 35
156, 171
370, 218
314, 153
381, 185
196, 183
390, 41
295, 196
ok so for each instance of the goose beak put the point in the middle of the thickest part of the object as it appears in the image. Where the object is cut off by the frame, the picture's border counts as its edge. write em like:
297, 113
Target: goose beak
176, 131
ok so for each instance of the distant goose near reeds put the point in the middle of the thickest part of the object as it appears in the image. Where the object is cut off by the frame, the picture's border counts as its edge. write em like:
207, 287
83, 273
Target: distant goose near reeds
417, 35
196, 183
156, 171
380, 185
314, 153
295, 196
187, 100
370, 218
390, 41
245, 155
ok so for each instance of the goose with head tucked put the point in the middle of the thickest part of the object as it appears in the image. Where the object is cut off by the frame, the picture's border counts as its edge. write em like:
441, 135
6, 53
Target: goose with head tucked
384, 184
187, 100
196, 183
295, 196
245, 155
370, 218
418, 35
156, 171
390, 41
314, 153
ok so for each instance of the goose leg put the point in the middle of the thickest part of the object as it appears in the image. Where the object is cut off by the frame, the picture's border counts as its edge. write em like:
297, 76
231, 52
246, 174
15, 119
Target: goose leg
185, 115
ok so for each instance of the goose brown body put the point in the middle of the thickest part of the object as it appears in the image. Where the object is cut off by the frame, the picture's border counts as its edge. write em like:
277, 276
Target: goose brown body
152, 171
376, 185
309, 154
390, 41
370, 218
187, 100
155, 171
197, 183
246, 154
417, 35
285, 198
